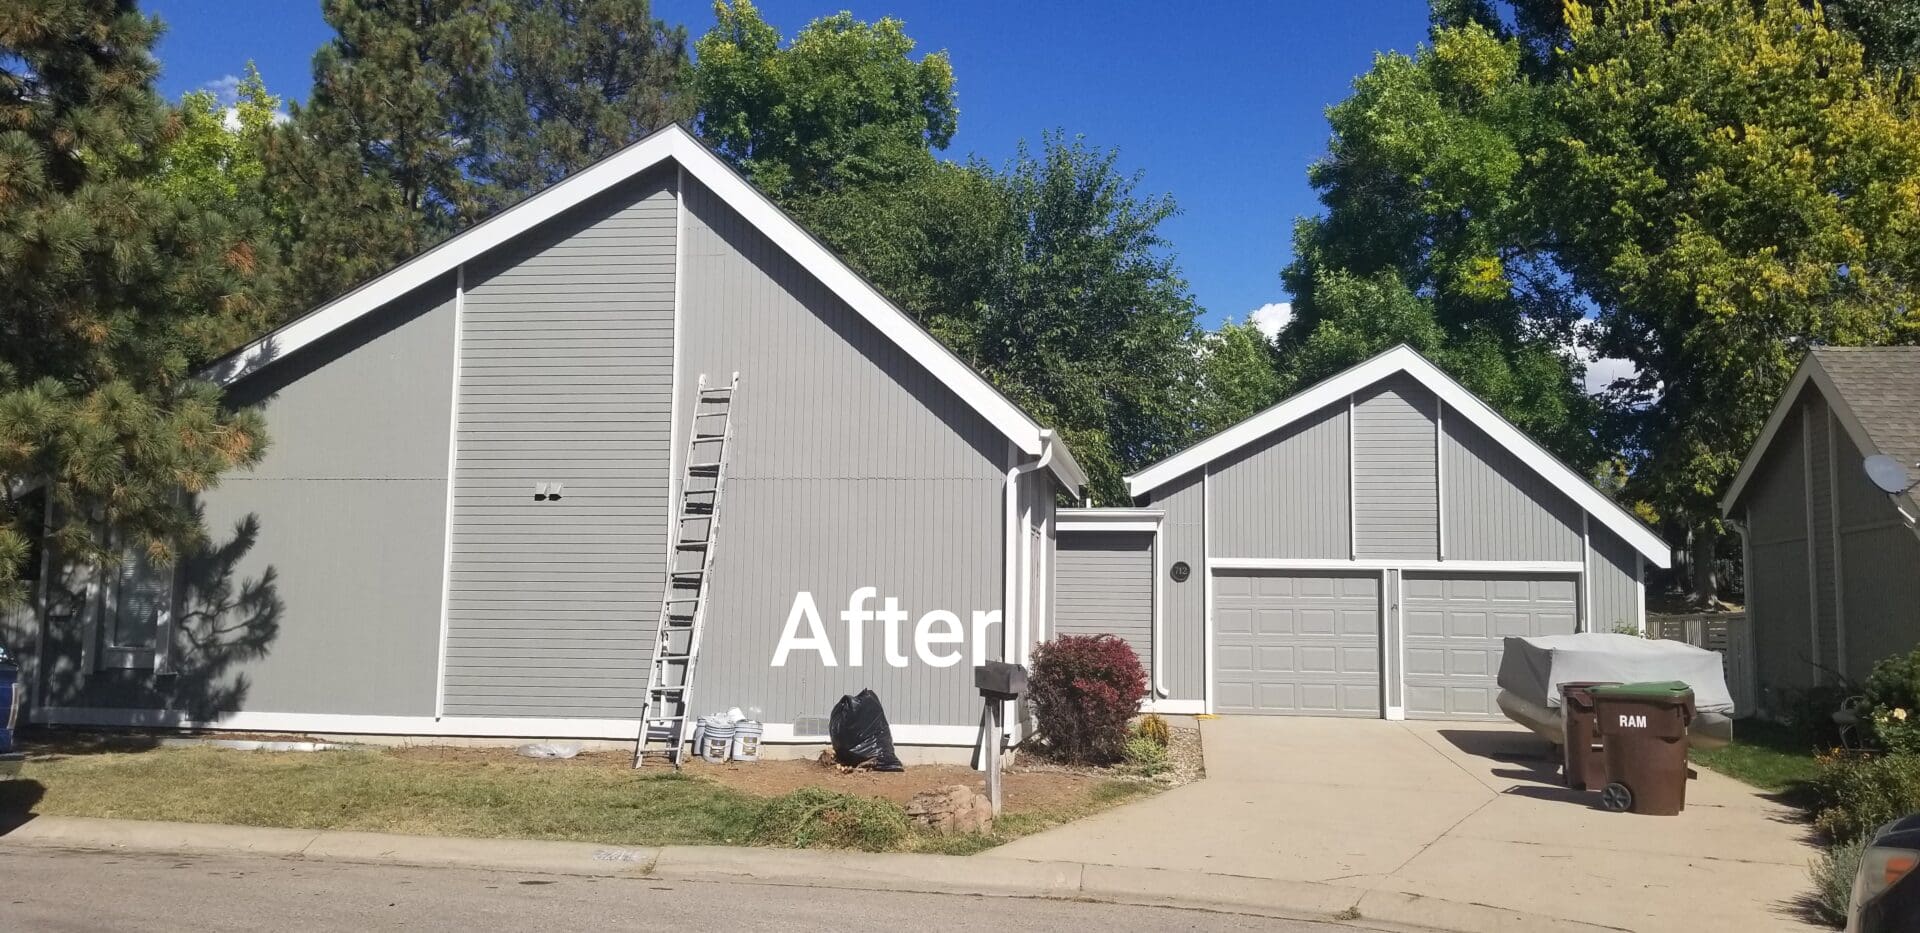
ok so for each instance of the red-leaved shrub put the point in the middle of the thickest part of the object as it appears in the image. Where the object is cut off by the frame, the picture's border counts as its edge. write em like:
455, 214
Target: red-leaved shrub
1084, 688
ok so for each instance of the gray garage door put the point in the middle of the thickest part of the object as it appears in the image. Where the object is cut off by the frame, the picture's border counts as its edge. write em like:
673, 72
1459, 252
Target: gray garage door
1104, 585
1454, 626
1297, 643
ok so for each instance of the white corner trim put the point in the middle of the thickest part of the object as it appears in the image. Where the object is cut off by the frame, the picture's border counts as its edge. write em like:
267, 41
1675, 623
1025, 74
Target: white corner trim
1440, 478
1417, 566
1586, 576
1640, 589
1157, 623
675, 143
453, 466
1403, 359
1206, 584
1391, 671
1353, 485
441, 727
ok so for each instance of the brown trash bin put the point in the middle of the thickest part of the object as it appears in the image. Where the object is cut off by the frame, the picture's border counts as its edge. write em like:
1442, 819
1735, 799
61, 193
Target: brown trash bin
1582, 765
1644, 728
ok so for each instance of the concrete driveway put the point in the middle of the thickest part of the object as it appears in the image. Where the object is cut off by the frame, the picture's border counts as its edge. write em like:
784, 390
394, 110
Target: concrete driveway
1462, 811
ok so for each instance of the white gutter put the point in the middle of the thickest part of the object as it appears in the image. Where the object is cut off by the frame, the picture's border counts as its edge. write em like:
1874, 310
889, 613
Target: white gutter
1013, 615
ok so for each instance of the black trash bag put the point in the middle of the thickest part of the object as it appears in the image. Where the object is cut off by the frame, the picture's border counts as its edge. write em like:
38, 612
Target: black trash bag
860, 733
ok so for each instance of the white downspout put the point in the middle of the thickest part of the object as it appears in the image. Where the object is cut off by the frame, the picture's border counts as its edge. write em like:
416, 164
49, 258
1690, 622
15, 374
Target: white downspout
1013, 617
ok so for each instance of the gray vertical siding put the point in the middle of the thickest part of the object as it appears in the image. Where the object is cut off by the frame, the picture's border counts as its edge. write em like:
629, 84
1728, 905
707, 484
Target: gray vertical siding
566, 373
1880, 588
1183, 606
1496, 507
1395, 478
1289, 493
1777, 582
1105, 585
1879, 554
1820, 504
852, 466
1612, 588
320, 592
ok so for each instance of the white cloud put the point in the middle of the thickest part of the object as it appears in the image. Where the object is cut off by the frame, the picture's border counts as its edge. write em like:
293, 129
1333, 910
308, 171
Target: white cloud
1601, 370
1272, 317
226, 89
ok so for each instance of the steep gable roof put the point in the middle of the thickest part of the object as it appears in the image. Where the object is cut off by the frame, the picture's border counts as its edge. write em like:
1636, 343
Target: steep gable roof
1875, 396
671, 144
1404, 359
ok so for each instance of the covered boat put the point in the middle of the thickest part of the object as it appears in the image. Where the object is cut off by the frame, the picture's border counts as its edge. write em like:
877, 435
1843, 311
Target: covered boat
1532, 670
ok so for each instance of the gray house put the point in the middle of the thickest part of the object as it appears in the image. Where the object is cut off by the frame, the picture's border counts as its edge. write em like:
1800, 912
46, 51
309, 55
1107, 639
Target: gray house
462, 526
1833, 563
1359, 549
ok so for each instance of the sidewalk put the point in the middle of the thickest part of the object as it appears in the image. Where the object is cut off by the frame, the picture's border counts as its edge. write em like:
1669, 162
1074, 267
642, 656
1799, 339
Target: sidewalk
935, 874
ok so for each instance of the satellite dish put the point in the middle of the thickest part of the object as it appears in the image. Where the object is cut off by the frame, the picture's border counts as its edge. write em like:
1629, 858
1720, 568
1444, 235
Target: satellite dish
1889, 474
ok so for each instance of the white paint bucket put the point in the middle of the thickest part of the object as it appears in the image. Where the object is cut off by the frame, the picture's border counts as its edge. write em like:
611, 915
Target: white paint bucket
746, 740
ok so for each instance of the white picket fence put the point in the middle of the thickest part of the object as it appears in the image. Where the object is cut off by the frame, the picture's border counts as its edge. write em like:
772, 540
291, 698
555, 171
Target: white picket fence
1727, 633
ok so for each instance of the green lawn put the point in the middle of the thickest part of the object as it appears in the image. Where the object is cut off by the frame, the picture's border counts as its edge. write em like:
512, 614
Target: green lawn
497, 796
1767, 755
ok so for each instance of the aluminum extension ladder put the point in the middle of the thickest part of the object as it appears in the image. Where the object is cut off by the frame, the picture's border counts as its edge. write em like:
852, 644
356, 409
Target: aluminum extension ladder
683, 605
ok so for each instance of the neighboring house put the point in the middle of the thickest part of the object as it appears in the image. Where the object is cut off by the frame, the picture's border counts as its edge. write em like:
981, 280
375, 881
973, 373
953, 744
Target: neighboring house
1832, 562
1360, 549
462, 524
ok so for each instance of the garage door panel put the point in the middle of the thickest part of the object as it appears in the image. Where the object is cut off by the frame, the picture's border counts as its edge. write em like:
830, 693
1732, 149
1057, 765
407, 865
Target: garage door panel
1455, 627
1297, 643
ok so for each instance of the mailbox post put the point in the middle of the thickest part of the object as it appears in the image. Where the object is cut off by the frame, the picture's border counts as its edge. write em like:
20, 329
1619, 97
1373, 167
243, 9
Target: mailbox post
999, 683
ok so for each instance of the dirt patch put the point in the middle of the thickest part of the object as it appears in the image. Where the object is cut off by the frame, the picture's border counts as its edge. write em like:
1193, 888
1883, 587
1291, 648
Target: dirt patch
1026, 790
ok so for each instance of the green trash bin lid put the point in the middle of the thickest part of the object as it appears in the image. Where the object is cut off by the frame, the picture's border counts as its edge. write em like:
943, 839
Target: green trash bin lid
1654, 690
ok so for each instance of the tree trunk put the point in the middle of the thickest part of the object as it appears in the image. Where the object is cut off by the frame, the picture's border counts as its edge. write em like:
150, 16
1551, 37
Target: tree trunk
1704, 550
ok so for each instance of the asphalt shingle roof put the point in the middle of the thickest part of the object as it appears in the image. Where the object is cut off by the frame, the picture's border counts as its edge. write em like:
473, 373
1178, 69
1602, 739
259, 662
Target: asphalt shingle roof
1881, 385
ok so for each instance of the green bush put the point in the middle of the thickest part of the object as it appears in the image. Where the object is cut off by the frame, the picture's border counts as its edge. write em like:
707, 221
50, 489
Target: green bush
1145, 756
816, 818
1854, 794
1892, 695
1833, 874
1152, 727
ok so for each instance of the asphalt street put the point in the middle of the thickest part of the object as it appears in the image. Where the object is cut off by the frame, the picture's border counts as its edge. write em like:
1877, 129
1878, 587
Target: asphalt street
71, 890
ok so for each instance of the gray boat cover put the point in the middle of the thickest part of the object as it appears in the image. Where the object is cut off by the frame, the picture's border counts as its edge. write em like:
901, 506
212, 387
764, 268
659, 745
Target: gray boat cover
1534, 668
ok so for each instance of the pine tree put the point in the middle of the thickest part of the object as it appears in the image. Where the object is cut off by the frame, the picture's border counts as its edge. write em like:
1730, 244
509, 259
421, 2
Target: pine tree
113, 292
576, 80
376, 167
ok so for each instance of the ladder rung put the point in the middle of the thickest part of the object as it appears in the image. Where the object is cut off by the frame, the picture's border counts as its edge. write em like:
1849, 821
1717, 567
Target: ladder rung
663, 688
673, 657
704, 468
684, 599
711, 437
691, 546
717, 390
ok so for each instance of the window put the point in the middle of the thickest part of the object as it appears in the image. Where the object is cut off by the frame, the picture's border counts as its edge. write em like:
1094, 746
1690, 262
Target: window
138, 606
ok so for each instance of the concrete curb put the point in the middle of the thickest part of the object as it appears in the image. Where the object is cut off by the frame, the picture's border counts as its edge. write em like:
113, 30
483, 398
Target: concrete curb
933, 874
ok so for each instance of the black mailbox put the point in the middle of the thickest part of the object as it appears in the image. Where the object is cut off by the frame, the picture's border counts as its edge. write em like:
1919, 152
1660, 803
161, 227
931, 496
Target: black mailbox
999, 680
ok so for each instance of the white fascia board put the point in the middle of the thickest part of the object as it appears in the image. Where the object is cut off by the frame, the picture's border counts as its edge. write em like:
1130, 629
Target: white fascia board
1403, 359
1414, 566
671, 142
1109, 515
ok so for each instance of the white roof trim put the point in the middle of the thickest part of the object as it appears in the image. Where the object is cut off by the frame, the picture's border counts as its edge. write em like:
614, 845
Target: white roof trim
672, 142
1810, 371
1402, 358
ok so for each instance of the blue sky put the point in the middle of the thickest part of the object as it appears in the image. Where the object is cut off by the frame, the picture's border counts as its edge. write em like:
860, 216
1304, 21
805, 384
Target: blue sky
1222, 108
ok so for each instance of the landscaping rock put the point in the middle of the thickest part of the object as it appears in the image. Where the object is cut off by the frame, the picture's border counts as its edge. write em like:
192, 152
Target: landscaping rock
955, 808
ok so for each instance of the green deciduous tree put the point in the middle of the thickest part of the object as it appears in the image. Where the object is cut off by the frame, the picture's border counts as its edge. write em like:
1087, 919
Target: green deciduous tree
1236, 377
1050, 276
1433, 236
216, 157
843, 105
114, 289
1734, 185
